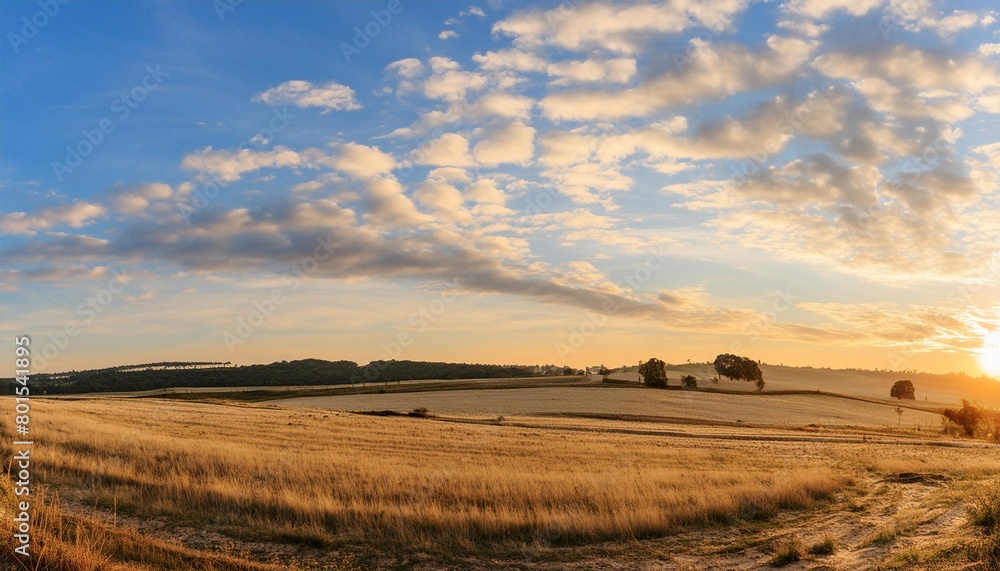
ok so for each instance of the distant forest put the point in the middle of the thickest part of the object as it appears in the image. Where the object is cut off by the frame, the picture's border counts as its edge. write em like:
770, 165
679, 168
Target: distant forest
304, 372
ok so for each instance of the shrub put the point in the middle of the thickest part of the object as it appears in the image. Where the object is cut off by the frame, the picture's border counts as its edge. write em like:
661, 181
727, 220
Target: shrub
689, 382
968, 417
788, 552
987, 551
985, 511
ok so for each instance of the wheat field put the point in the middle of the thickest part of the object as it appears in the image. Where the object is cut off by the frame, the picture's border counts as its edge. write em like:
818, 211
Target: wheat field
369, 486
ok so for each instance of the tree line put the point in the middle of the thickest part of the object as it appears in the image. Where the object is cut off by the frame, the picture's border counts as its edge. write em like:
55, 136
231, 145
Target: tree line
283, 373
653, 372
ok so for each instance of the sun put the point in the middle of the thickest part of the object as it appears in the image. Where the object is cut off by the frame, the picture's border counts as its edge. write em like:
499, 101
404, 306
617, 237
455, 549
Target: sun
989, 355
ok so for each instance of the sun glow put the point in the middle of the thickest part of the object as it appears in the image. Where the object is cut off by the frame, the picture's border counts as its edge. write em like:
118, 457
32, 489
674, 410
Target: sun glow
989, 355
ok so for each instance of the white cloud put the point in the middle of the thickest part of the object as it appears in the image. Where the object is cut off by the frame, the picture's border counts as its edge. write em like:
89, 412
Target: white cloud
450, 149
618, 70
819, 9
74, 215
447, 35
136, 198
614, 27
886, 98
230, 166
514, 143
957, 21
444, 199
448, 82
499, 104
362, 162
304, 94
713, 72
513, 59
913, 67
588, 183
563, 148
486, 191
388, 205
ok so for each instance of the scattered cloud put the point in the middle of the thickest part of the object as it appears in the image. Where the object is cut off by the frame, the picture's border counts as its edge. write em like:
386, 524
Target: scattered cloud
74, 215
304, 94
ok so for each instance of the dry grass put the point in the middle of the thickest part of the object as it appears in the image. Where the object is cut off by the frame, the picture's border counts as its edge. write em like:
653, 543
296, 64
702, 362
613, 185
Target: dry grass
64, 542
401, 484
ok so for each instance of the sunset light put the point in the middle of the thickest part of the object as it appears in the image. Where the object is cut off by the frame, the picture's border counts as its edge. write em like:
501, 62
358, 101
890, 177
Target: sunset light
989, 355
266, 266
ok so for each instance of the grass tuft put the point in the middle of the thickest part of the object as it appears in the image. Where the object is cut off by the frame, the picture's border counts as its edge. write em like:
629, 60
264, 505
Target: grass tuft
787, 553
827, 546
985, 510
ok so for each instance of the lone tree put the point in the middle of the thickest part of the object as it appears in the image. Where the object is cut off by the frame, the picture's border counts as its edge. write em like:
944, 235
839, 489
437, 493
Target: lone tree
739, 368
903, 390
654, 373
689, 382
604, 372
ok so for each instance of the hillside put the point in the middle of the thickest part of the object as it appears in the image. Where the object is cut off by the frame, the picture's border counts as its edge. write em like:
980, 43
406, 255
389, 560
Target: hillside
946, 389
283, 373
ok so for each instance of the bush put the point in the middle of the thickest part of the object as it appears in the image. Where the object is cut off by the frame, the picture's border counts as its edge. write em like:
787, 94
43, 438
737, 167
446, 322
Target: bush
689, 382
788, 552
985, 511
987, 552
968, 417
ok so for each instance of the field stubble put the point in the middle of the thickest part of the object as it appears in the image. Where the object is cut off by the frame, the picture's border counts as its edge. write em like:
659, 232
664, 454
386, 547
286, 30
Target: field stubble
398, 487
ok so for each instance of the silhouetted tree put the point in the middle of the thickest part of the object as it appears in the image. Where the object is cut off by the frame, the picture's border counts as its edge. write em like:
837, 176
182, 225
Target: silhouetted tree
903, 390
689, 382
654, 372
736, 367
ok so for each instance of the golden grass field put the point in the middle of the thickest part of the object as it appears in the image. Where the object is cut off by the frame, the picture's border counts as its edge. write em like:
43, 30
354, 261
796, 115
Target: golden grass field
160, 484
764, 409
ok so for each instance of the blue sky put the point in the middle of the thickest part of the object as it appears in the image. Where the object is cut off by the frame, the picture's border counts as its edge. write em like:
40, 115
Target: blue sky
807, 181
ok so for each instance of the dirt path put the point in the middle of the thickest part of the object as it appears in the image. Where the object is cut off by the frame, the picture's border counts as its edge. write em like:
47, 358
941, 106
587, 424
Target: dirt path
899, 523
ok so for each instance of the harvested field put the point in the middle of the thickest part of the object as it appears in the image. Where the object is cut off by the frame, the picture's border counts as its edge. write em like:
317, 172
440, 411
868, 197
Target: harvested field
783, 410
